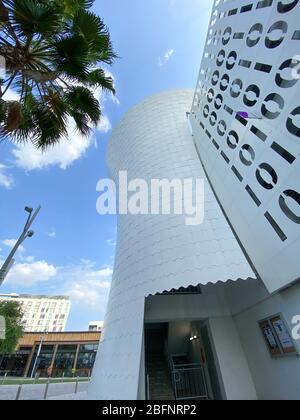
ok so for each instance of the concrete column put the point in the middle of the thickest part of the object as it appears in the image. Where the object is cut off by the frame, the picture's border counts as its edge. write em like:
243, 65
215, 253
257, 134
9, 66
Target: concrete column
26, 370
233, 365
53, 357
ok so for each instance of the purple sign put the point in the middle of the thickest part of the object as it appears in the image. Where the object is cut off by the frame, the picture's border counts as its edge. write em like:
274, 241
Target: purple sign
243, 114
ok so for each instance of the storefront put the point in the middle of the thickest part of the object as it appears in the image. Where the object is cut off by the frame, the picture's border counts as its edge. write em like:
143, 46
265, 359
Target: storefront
54, 354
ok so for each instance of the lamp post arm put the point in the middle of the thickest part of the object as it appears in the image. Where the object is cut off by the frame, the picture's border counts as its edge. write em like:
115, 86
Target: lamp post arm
25, 234
31, 219
13, 251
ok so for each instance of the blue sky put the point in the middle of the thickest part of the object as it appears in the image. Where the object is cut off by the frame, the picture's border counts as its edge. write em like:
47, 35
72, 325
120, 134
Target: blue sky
160, 45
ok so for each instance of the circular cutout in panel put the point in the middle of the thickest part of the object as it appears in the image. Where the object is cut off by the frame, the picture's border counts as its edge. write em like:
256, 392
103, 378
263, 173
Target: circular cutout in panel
213, 119
221, 58
236, 88
219, 101
294, 66
210, 95
224, 82
293, 122
252, 95
226, 35
281, 26
233, 139
270, 104
247, 155
284, 7
215, 78
266, 168
222, 127
295, 196
206, 111
254, 35
231, 60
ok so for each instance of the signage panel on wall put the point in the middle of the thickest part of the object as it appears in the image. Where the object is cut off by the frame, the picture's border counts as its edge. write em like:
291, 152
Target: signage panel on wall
277, 336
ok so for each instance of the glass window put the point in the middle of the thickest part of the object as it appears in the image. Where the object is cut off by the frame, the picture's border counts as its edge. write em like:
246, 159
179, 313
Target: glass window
86, 359
44, 360
89, 347
64, 360
15, 364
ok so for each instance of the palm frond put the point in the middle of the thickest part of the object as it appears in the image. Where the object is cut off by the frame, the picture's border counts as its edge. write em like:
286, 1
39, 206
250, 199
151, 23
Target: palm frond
82, 100
71, 56
53, 51
35, 18
98, 78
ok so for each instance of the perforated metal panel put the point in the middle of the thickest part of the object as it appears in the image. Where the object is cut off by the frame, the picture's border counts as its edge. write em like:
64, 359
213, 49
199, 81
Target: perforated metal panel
246, 121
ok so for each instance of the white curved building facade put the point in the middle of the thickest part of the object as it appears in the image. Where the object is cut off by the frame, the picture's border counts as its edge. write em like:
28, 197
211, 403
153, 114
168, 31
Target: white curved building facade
157, 252
242, 325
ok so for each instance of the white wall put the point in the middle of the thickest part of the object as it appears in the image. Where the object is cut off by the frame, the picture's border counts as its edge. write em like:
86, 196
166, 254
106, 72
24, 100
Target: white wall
236, 376
186, 307
246, 303
196, 348
279, 378
214, 304
179, 334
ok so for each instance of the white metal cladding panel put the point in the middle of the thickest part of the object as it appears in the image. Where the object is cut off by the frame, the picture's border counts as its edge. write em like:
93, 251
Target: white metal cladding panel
253, 164
157, 253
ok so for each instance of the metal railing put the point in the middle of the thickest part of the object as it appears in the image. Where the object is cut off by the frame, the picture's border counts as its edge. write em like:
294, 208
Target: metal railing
147, 387
6, 379
20, 385
189, 382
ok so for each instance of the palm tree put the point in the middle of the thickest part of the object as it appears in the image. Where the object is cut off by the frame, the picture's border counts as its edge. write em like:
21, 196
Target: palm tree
54, 52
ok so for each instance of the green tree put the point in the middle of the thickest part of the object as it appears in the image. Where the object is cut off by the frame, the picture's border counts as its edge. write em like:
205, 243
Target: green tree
54, 53
12, 313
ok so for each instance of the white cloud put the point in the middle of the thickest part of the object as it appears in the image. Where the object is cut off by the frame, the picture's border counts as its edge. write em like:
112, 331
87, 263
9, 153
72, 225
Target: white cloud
6, 180
105, 125
10, 243
10, 95
28, 259
111, 242
70, 148
162, 61
51, 235
115, 100
26, 271
87, 285
31, 273
105, 96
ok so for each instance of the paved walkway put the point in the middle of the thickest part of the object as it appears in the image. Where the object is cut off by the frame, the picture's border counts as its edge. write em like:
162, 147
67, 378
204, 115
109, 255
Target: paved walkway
36, 392
81, 396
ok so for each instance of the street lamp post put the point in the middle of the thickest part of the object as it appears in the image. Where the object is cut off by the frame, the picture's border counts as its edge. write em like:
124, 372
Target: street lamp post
27, 233
42, 339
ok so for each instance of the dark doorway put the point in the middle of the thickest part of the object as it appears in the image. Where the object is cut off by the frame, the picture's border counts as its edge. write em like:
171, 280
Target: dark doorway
159, 383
